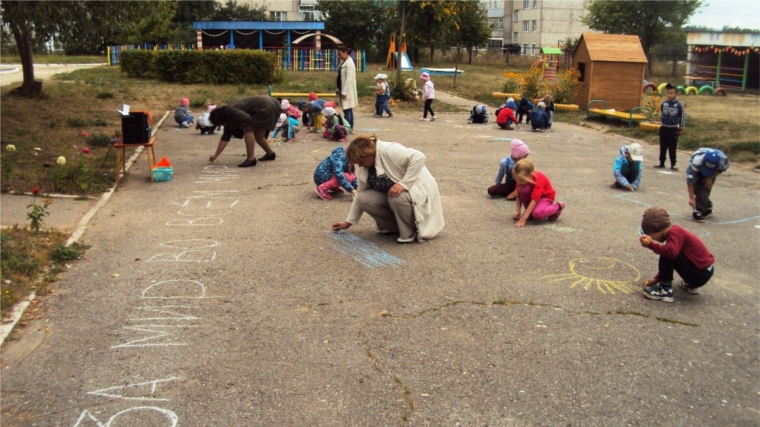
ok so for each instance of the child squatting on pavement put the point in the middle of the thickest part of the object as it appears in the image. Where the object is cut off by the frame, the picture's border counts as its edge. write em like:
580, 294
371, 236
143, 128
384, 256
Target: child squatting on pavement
679, 251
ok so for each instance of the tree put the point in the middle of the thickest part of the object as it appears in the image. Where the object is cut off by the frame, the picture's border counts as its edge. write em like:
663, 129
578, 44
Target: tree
466, 26
355, 23
29, 20
653, 21
234, 11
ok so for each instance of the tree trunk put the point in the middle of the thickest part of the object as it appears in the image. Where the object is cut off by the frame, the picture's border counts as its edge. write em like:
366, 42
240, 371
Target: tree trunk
416, 55
432, 52
675, 66
456, 67
469, 54
23, 39
404, 21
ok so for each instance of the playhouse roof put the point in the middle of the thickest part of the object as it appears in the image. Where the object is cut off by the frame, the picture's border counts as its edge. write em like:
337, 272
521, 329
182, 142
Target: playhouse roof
613, 47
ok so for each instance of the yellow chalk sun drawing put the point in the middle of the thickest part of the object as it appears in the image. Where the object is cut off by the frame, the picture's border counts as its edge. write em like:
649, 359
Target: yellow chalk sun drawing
608, 275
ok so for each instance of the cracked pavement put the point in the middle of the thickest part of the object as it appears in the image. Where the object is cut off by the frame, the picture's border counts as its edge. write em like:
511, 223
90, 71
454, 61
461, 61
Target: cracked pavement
219, 299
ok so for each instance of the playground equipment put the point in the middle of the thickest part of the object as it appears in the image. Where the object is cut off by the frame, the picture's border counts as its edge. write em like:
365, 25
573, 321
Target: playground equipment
442, 71
690, 90
393, 57
549, 62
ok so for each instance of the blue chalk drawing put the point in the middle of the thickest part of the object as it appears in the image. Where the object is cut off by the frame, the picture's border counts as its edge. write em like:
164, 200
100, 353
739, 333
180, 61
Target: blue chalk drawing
738, 221
365, 253
371, 130
501, 139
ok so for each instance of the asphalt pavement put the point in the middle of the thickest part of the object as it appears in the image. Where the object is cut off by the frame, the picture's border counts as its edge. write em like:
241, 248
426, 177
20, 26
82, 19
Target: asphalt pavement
222, 298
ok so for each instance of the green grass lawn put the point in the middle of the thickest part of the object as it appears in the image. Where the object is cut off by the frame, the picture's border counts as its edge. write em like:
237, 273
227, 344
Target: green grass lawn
56, 58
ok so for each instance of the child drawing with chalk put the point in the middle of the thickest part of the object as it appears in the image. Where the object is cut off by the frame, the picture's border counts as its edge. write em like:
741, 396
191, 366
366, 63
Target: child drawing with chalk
679, 250
335, 174
628, 168
507, 187
535, 194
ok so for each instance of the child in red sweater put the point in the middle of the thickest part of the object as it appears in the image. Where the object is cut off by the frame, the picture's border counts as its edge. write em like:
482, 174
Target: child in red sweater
679, 250
505, 118
535, 194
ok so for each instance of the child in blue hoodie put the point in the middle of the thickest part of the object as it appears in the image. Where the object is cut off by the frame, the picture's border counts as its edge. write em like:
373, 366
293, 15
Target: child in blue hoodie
539, 120
628, 168
335, 174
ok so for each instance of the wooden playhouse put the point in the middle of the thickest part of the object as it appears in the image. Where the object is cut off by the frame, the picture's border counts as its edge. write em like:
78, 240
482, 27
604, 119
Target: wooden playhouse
611, 68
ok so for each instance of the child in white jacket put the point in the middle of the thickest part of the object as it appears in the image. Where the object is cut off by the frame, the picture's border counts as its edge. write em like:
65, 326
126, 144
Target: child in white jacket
428, 94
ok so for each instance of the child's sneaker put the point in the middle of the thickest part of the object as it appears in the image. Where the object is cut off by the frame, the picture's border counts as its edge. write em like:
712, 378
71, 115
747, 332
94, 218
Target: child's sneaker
685, 286
376, 116
185, 124
698, 216
324, 195
390, 115
344, 139
559, 212
660, 166
432, 119
674, 168
657, 292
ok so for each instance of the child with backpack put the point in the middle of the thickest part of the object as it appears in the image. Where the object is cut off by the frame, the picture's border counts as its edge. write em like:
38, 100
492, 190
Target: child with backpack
182, 114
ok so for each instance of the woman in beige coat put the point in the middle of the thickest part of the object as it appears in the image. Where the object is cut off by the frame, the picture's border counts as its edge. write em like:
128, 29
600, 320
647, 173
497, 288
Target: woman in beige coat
395, 188
347, 84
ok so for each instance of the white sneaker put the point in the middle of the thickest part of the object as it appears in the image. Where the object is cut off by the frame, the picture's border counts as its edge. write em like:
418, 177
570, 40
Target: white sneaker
407, 239
685, 286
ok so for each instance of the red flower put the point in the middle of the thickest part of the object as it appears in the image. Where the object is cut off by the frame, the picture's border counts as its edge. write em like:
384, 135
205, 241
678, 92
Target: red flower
35, 190
86, 150
85, 134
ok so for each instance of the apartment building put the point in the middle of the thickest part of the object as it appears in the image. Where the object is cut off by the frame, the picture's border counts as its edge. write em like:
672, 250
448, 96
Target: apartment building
542, 23
288, 10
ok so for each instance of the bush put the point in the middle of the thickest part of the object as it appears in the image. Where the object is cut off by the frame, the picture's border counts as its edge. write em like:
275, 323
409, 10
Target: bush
137, 63
531, 84
563, 91
104, 95
233, 67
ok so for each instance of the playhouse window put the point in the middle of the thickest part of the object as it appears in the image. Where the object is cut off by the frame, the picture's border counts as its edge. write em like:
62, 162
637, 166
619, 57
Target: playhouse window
581, 71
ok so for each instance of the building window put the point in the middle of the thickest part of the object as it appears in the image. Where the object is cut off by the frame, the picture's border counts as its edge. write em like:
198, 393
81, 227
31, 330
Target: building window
535, 4
498, 4
498, 24
515, 37
516, 16
496, 43
278, 16
532, 48
524, 49
525, 26
581, 71
306, 13
526, 4
535, 25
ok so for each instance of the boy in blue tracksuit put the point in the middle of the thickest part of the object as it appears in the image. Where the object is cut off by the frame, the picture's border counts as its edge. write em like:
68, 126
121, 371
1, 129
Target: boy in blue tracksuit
538, 119
704, 167
627, 168
673, 121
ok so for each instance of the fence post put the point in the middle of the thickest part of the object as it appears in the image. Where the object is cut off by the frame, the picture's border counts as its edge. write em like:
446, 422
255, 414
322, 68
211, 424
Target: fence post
746, 68
717, 69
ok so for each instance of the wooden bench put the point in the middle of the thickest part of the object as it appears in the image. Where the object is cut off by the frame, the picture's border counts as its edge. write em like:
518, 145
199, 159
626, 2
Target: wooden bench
298, 94
630, 116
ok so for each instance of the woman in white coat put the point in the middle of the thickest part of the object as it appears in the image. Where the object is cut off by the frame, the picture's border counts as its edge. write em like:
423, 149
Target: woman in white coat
347, 84
395, 188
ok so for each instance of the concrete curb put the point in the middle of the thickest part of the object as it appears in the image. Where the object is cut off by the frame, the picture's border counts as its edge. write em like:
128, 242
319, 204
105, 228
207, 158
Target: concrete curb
20, 308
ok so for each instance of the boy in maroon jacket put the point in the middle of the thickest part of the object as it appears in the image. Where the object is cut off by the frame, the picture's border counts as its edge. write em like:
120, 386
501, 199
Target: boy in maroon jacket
679, 250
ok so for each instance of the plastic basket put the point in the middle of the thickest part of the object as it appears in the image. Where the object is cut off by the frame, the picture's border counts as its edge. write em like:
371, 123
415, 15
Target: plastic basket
162, 174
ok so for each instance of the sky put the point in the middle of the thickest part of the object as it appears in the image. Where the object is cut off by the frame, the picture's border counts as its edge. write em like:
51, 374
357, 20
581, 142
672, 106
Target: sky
734, 13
